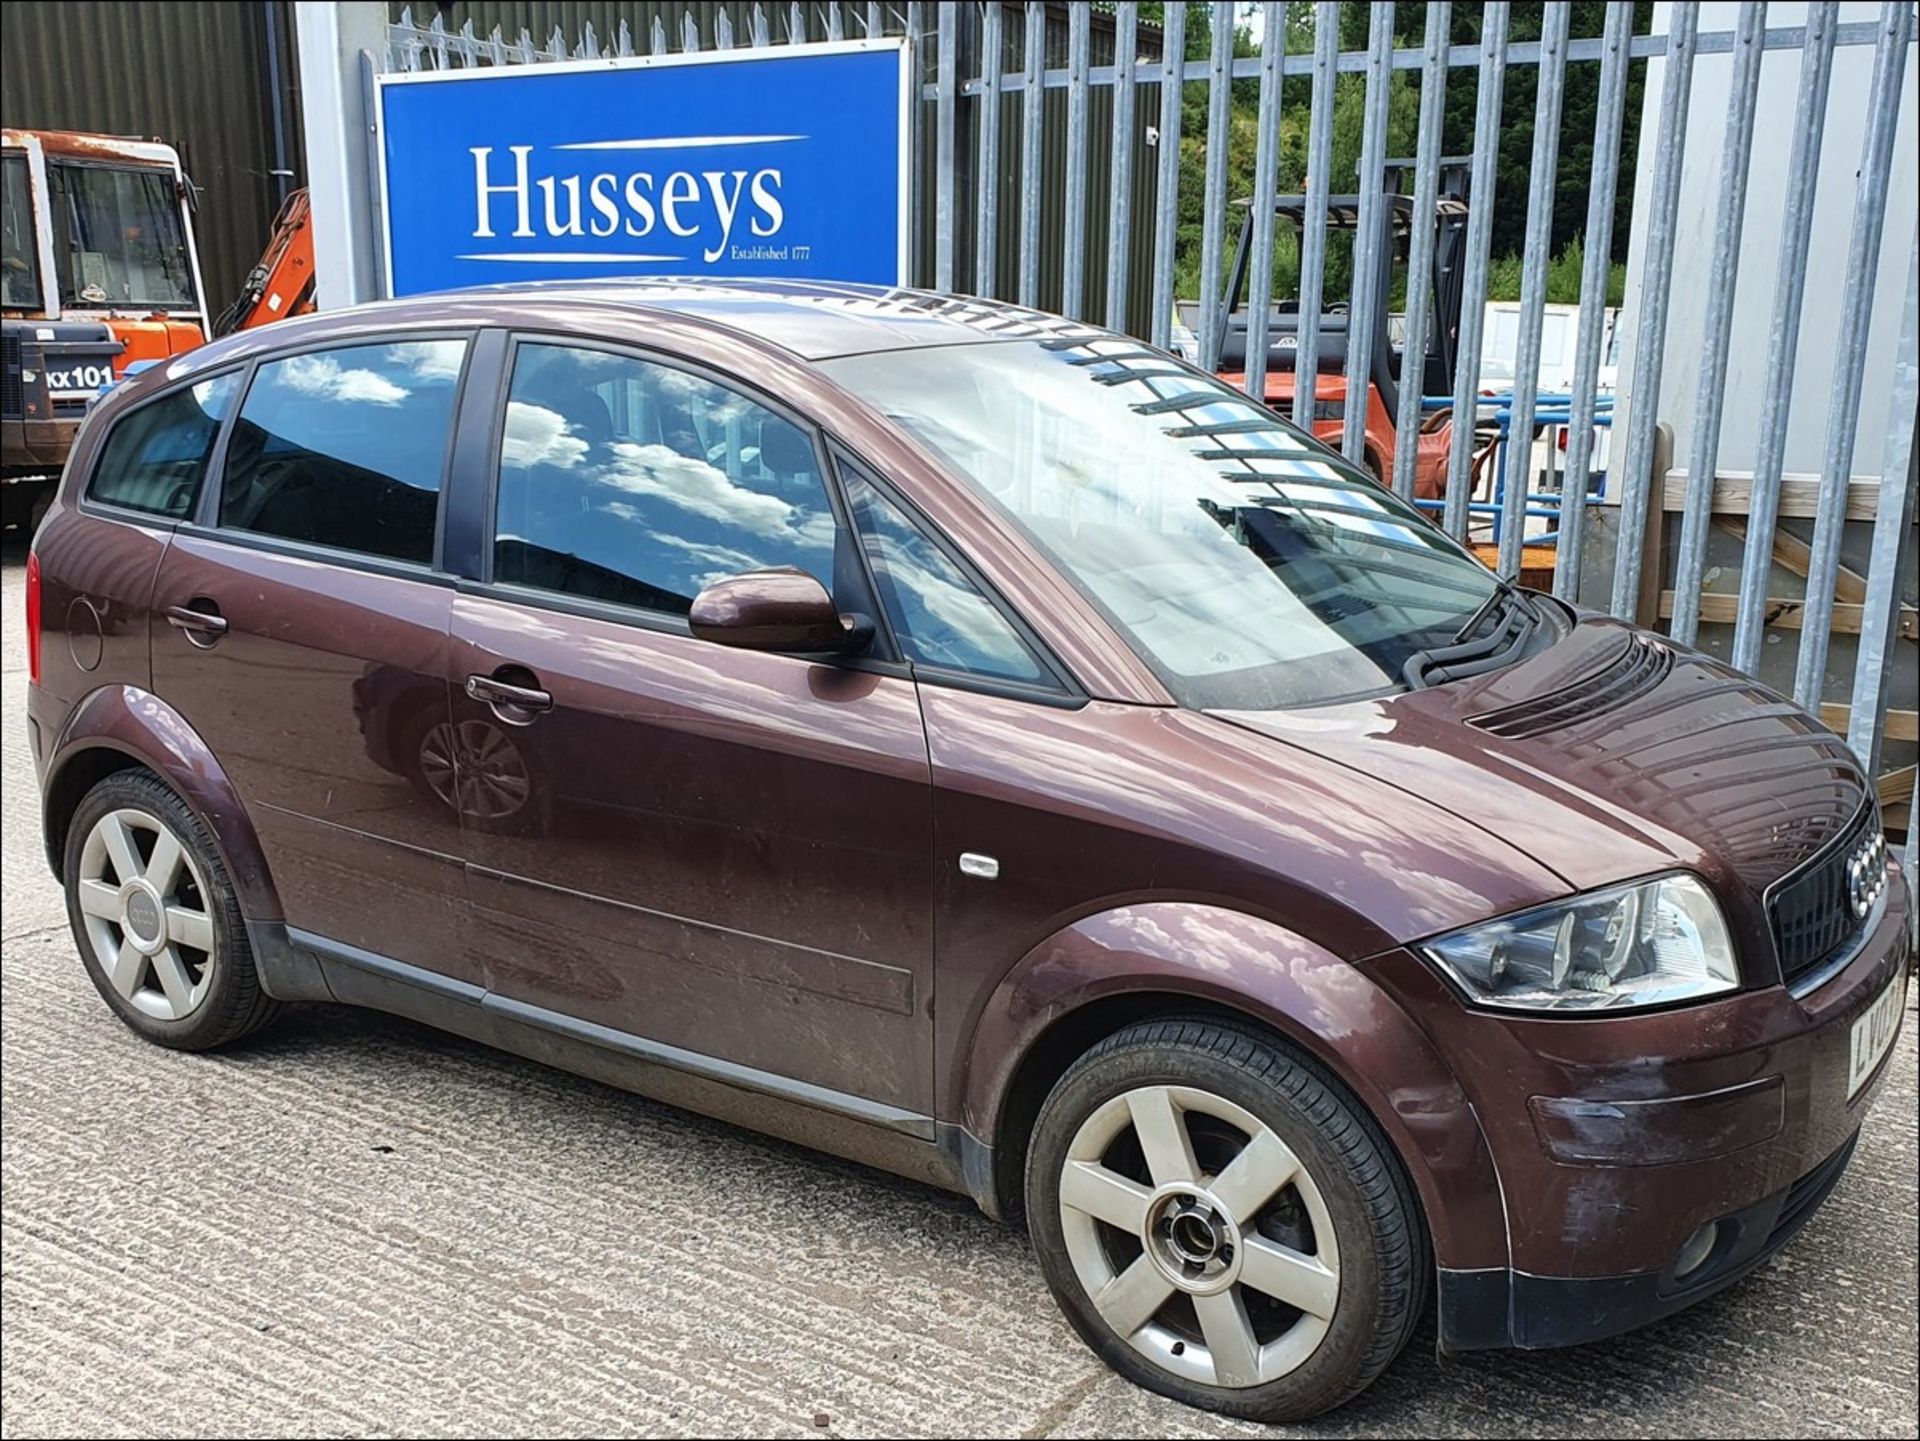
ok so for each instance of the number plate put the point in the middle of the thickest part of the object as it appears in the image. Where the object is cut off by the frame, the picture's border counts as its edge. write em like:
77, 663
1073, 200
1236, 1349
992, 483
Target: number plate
79, 378
1873, 1035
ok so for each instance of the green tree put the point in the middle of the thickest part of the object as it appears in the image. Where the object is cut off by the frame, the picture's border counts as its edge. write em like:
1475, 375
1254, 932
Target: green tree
1512, 168
1579, 108
1564, 270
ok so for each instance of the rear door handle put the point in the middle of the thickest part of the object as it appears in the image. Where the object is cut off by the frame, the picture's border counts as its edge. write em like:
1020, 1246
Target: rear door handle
202, 627
515, 704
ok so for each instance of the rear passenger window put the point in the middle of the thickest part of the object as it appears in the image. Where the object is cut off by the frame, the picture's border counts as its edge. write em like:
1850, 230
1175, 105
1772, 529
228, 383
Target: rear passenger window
639, 484
345, 448
156, 456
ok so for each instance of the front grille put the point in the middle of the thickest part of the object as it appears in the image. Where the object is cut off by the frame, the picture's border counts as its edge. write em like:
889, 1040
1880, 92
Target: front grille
1641, 664
1812, 912
13, 401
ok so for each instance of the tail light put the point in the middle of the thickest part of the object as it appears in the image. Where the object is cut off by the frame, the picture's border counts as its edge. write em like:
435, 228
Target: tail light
33, 618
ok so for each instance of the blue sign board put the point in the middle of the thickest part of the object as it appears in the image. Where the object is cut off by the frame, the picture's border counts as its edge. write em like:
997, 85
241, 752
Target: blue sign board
788, 162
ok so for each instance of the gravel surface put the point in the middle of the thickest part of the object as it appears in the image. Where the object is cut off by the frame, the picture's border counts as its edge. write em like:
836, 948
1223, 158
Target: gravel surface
357, 1225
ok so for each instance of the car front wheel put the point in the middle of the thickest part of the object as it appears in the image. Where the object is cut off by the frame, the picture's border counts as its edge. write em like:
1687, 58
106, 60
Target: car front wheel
1221, 1223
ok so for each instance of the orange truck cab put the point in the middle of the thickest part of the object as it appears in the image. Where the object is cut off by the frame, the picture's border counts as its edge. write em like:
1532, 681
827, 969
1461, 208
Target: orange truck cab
98, 270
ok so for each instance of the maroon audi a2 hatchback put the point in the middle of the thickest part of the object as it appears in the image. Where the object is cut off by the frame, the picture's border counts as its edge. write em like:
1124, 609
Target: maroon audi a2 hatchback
980, 745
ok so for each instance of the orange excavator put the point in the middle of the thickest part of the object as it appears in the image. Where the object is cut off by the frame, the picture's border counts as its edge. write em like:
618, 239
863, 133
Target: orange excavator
282, 283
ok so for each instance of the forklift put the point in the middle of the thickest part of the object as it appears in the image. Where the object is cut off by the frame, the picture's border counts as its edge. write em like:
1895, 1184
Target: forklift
1389, 371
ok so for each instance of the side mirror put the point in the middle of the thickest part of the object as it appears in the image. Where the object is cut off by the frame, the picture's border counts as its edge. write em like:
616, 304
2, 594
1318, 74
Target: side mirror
784, 610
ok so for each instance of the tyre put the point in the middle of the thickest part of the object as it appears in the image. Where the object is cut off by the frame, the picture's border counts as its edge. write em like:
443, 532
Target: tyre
1222, 1223
155, 916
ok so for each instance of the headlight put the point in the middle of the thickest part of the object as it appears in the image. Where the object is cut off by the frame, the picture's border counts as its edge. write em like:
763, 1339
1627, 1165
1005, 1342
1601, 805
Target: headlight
1640, 945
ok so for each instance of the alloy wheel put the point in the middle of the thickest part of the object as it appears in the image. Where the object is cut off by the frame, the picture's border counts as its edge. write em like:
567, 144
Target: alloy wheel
146, 913
1199, 1236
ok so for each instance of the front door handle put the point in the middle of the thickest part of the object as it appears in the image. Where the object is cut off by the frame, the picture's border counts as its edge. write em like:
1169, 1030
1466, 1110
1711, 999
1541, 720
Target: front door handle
514, 704
201, 622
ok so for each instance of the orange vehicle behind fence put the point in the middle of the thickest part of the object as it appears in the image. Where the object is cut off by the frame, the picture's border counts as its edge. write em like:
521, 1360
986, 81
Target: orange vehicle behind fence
98, 271
1329, 424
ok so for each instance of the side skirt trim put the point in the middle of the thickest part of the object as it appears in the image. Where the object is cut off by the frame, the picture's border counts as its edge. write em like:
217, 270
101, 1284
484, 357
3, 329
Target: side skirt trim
712, 1068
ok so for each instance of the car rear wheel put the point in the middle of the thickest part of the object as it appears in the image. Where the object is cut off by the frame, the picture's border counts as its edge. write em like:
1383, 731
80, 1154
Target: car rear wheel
1221, 1223
155, 916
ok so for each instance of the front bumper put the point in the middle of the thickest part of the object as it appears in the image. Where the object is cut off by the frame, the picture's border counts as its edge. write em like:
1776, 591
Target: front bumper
1482, 1310
1616, 1138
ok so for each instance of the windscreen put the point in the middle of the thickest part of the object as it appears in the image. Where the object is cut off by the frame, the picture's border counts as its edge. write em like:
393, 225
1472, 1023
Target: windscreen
19, 253
118, 239
1247, 564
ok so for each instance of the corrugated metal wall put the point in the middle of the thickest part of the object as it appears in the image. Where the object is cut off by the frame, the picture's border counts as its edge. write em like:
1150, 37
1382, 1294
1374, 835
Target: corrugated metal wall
195, 76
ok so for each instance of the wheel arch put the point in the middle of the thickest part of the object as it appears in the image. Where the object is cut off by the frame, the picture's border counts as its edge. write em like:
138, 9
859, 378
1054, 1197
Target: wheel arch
122, 727
1107, 971
66, 786
1053, 1052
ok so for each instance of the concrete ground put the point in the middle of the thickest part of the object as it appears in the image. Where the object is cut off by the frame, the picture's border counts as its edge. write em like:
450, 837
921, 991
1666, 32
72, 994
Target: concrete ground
360, 1226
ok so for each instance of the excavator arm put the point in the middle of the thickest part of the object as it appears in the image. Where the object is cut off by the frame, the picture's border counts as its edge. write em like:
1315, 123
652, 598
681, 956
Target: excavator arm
282, 283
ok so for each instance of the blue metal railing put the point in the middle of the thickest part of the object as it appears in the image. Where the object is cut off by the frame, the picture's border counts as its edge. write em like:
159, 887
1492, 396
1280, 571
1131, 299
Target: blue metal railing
1552, 413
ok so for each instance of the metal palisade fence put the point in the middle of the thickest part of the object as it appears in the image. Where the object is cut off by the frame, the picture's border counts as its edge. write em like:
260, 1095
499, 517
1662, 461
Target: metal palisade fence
1049, 144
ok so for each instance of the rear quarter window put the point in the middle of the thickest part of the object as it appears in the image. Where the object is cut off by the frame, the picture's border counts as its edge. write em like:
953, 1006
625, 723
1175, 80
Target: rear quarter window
155, 457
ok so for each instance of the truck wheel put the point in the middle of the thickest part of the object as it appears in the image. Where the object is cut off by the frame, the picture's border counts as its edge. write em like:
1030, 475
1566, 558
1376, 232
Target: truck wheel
1222, 1223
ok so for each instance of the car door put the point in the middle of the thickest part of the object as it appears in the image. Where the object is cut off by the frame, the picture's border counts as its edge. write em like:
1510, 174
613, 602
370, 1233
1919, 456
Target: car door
301, 629
721, 851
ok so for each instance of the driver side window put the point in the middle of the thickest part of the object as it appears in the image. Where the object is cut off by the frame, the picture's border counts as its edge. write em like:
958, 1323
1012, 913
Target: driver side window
939, 617
627, 481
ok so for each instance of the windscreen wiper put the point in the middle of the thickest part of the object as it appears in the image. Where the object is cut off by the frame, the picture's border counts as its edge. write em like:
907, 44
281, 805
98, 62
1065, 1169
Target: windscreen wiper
1502, 591
1471, 653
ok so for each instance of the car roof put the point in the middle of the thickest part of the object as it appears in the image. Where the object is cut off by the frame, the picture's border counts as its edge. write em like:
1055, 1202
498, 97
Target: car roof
815, 319
812, 320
